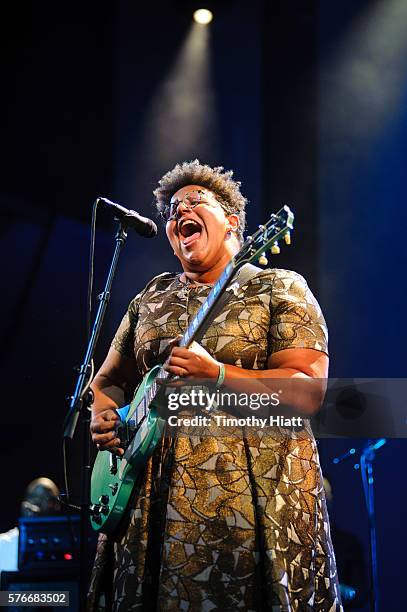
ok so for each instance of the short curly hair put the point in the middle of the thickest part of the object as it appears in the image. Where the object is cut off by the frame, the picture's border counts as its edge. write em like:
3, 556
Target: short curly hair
217, 179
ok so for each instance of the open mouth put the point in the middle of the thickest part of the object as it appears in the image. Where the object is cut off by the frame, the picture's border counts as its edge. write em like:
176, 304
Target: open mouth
190, 230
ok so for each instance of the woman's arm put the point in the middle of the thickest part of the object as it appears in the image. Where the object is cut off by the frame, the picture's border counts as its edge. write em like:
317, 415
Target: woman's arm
297, 340
299, 373
115, 379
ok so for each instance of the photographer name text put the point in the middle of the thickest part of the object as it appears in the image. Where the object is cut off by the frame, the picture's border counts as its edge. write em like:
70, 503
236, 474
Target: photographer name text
224, 421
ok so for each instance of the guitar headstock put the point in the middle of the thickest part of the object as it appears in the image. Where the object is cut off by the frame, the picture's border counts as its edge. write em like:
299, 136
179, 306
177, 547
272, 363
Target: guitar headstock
267, 236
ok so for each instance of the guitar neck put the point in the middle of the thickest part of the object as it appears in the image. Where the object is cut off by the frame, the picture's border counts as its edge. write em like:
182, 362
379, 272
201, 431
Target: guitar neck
207, 307
201, 316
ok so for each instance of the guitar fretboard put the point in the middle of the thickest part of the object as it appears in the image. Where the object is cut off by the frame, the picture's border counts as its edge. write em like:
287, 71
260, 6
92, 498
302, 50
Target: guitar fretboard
208, 305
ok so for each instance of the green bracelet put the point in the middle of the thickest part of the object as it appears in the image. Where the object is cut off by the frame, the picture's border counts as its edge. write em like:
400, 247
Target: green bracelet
221, 375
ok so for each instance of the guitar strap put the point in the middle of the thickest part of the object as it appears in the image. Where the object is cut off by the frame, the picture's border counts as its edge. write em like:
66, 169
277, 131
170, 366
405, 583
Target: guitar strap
244, 275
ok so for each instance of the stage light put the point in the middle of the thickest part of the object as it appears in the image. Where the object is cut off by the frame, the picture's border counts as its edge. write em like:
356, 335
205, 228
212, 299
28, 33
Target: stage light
181, 119
203, 16
364, 79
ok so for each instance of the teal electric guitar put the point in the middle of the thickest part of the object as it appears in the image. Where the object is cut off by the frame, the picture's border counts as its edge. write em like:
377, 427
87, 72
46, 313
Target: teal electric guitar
113, 477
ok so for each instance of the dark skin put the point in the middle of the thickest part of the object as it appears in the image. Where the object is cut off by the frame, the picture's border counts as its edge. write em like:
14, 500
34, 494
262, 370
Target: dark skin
203, 260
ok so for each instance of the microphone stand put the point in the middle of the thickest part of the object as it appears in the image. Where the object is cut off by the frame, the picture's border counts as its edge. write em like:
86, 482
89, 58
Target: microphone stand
366, 469
367, 457
80, 405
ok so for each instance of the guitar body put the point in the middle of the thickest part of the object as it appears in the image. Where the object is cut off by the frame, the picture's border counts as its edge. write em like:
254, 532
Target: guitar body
113, 477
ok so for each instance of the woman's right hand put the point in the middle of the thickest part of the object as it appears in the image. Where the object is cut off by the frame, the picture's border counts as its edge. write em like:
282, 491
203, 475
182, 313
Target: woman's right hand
103, 428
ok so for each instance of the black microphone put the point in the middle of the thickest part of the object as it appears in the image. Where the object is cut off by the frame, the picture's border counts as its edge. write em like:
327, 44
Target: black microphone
130, 218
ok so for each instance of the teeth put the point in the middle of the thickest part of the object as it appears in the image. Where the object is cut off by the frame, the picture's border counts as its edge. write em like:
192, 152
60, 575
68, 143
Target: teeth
182, 227
188, 222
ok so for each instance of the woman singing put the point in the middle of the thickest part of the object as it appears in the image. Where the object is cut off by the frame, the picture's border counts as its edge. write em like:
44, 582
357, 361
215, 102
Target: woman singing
218, 522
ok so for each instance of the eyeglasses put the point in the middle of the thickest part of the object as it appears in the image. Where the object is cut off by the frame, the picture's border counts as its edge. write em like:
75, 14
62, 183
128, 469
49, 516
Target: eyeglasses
191, 200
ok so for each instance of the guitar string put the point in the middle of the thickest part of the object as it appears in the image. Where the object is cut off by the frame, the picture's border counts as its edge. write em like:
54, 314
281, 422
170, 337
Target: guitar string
152, 390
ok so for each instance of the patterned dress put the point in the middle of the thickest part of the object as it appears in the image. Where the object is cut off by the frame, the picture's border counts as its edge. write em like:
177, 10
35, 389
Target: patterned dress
223, 522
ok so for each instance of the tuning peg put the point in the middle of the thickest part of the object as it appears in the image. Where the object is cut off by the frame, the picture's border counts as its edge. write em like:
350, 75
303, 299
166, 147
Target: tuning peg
263, 261
275, 249
287, 237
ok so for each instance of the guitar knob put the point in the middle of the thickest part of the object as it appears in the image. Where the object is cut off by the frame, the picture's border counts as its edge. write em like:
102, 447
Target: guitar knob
275, 249
263, 261
95, 510
104, 499
105, 510
287, 238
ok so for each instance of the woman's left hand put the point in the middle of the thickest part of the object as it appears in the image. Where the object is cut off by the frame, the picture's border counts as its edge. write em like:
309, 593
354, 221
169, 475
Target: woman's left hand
192, 362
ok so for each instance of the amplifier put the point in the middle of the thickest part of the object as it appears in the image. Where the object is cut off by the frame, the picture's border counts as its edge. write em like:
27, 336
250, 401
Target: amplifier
51, 542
